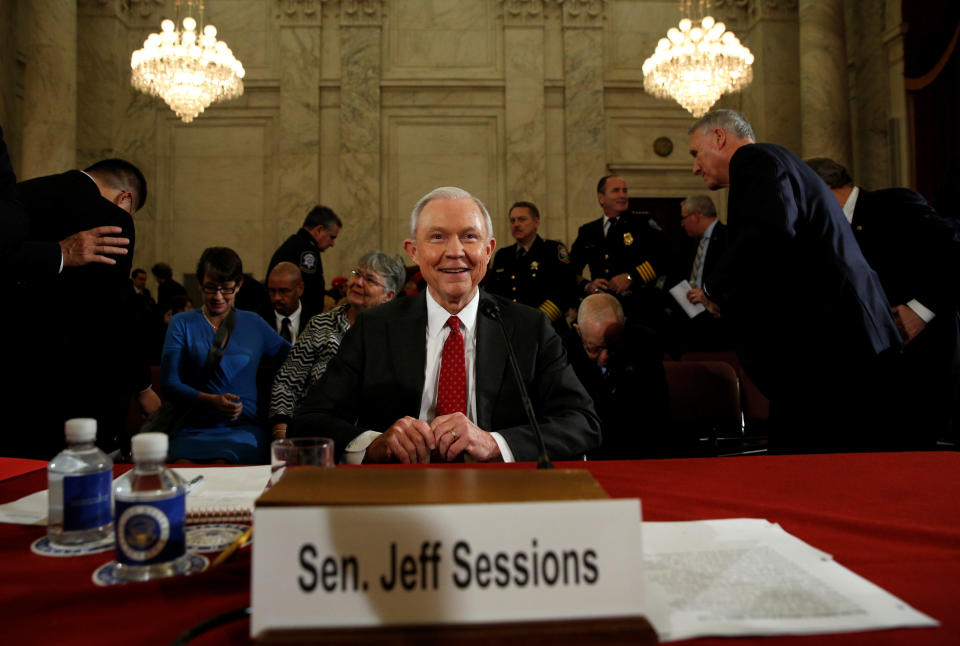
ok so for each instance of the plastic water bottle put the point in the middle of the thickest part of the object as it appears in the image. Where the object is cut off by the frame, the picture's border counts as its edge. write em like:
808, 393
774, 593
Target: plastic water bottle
79, 482
150, 513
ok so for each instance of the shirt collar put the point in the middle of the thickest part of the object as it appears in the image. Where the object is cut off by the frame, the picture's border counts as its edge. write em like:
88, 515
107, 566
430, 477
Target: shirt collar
294, 318
437, 317
851, 204
709, 231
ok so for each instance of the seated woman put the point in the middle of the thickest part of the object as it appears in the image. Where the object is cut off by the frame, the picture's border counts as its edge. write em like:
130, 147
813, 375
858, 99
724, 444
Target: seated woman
377, 279
221, 423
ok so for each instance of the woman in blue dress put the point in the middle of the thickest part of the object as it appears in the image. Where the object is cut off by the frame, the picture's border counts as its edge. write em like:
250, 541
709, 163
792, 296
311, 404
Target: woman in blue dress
222, 425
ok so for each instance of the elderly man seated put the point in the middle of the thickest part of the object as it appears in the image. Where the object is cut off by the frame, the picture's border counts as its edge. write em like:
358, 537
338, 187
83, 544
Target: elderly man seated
427, 377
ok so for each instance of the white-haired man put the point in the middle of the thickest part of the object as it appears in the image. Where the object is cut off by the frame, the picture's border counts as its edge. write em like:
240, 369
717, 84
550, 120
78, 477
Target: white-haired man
427, 377
813, 327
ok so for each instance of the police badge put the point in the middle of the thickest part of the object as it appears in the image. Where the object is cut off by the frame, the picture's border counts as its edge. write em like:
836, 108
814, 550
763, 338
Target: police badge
308, 261
627, 239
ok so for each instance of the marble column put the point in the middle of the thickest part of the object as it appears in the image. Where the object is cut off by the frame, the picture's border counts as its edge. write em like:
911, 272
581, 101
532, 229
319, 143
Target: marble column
824, 101
360, 74
584, 118
524, 97
297, 167
50, 88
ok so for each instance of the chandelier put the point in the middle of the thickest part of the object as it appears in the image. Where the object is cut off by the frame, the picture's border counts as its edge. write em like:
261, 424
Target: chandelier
187, 69
695, 66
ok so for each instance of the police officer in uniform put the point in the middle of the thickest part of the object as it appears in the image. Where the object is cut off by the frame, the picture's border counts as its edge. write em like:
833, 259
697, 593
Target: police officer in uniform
533, 271
319, 232
625, 253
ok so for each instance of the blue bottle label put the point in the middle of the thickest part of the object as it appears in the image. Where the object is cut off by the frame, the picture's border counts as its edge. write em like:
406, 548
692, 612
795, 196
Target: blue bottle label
86, 501
151, 532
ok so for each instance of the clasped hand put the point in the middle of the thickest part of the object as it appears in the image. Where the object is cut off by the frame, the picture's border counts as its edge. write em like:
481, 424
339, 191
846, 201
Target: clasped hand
227, 403
411, 441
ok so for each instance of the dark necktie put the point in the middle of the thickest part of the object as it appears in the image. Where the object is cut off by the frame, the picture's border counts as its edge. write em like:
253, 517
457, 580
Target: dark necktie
611, 224
452, 385
285, 329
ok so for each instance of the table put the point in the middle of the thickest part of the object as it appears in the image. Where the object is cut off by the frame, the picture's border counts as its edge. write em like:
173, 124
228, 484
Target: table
893, 518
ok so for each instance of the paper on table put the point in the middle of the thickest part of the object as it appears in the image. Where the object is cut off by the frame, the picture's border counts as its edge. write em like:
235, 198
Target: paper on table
749, 577
679, 293
222, 488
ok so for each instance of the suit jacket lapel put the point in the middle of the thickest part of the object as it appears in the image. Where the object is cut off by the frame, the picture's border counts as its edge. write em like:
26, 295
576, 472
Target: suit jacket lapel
490, 363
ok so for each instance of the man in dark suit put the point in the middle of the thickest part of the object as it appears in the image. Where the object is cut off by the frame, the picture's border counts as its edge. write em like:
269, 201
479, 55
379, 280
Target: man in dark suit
21, 256
318, 233
621, 367
813, 327
429, 374
288, 314
533, 271
625, 254
916, 253
705, 332
81, 328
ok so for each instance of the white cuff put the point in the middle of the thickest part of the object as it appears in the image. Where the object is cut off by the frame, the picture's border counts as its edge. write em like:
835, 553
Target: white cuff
505, 451
357, 448
920, 310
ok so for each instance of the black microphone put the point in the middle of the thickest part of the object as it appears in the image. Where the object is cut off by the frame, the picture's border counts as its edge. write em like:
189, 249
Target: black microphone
492, 310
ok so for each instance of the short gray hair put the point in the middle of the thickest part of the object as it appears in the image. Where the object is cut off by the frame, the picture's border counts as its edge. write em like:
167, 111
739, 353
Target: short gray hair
701, 204
447, 193
390, 267
725, 120
599, 307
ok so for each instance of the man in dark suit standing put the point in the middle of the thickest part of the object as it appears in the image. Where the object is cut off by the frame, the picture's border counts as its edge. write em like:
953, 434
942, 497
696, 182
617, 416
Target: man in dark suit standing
705, 332
625, 254
813, 327
76, 343
916, 254
429, 374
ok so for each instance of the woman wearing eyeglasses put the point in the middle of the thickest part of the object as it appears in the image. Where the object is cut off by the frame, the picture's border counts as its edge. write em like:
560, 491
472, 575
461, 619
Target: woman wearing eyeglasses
209, 370
377, 279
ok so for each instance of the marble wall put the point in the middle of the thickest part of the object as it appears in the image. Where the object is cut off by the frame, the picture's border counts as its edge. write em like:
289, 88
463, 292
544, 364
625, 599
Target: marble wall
364, 105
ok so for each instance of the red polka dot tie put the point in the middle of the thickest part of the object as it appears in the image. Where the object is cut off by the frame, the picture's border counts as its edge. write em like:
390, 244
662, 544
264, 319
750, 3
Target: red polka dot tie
452, 386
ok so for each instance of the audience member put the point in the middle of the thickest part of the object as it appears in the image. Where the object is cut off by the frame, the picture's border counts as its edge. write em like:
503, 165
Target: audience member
318, 233
287, 314
812, 325
706, 332
209, 370
428, 374
376, 280
625, 254
533, 271
915, 253
167, 287
621, 367
79, 330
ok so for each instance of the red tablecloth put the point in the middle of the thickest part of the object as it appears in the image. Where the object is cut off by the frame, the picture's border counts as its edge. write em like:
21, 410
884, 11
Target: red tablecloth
893, 518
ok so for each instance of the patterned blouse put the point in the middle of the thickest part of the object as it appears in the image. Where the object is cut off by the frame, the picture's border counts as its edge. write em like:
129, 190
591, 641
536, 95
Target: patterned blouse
316, 345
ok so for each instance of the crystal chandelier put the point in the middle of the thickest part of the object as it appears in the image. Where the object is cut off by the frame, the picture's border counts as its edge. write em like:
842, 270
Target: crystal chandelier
695, 66
187, 69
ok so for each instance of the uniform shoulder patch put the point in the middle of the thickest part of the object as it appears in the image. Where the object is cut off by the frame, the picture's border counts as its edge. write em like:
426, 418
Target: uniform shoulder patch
562, 254
308, 261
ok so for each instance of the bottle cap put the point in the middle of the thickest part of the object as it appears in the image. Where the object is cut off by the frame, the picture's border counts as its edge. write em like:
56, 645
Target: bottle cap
149, 447
80, 429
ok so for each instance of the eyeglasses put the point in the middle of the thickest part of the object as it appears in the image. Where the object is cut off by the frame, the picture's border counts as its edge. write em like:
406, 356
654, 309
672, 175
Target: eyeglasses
366, 276
213, 289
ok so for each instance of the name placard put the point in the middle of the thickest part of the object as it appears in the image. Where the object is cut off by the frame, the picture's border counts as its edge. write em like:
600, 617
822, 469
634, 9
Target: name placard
333, 567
